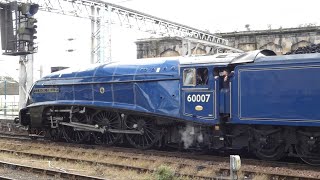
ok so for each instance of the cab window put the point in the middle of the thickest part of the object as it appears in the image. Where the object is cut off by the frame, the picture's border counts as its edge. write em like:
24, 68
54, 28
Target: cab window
202, 76
189, 77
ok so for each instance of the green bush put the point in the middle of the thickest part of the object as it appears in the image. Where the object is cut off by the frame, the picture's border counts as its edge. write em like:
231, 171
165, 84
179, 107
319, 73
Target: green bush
164, 173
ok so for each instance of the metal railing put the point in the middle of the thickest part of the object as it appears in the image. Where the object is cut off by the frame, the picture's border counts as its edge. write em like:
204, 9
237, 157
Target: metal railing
9, 108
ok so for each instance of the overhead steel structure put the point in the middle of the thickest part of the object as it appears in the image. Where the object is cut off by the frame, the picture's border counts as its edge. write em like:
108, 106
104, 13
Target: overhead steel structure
103, 14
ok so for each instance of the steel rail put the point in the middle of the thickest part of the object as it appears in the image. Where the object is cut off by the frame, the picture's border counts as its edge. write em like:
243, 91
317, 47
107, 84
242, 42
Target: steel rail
15, 136
48, 171
6, 178
252, 173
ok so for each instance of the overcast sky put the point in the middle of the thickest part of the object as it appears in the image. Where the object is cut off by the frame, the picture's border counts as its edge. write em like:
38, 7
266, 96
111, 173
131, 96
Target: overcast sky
231, 15
215, 16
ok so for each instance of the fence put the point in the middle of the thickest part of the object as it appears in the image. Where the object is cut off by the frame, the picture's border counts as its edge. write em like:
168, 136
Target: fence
9, 108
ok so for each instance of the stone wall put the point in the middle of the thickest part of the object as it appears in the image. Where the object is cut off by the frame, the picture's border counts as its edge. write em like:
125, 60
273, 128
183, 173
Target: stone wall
278, 40
168, 47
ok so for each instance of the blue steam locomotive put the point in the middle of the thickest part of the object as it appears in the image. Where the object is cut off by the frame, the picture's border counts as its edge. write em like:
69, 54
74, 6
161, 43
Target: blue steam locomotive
255, 100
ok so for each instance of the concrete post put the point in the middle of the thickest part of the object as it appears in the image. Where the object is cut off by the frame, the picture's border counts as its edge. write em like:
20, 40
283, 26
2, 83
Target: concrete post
29, 68
22, 82
235, 165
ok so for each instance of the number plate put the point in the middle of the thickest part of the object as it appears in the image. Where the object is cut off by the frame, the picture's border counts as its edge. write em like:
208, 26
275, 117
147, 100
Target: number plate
200, 104
45, 90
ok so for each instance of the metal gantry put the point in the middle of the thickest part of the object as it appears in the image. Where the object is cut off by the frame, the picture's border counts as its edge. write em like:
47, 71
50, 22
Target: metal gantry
103, 14
127, 17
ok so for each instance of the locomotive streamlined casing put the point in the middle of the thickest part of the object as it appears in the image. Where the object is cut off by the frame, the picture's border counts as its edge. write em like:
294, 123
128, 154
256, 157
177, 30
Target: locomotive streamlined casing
153, 86
143, 87
277, 90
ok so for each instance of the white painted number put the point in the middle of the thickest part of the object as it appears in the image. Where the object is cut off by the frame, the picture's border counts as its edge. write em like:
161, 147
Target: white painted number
198, 98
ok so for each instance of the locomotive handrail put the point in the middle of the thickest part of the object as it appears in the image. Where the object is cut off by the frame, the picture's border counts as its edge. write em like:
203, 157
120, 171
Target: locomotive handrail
192, 88
230, 98
108, 82
83, 77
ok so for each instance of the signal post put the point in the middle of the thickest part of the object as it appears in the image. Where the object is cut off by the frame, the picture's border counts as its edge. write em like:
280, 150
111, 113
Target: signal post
19, 26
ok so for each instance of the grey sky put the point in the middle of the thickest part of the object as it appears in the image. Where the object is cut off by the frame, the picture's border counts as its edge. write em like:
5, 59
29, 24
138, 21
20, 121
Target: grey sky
231, 15
215, 16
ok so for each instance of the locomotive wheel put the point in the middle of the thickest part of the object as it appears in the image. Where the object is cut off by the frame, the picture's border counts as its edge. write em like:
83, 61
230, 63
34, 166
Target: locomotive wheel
72, 135
308, 148
110, 120
55, 134
268, 143
150, 134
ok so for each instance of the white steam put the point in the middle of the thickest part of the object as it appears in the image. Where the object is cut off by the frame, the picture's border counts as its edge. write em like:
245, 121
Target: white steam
190, 135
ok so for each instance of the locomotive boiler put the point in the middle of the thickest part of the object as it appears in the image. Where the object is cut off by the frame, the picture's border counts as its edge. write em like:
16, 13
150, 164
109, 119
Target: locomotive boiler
257, 101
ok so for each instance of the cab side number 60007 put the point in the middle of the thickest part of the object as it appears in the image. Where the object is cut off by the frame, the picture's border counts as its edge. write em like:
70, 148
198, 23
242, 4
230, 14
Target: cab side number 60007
198, 98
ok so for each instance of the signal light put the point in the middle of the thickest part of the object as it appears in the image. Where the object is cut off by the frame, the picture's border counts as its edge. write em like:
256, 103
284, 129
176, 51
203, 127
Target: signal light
29, 10
28, 30
20, 42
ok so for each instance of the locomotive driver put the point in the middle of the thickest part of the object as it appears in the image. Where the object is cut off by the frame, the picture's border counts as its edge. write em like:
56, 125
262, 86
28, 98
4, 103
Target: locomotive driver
226, 77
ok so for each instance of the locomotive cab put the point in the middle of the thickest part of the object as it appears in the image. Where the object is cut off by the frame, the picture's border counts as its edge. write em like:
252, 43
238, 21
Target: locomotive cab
205, 92
199, 93
200, 86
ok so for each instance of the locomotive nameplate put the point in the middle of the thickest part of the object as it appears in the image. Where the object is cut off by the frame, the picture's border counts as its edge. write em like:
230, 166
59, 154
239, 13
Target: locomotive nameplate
45, 90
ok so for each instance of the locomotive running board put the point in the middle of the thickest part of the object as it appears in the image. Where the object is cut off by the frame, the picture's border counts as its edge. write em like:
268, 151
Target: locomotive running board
87, 127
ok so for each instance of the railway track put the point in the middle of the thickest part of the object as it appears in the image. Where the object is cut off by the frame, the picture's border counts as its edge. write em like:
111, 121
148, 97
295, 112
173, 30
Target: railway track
174, 154
111, 164
217, 166
48, 172
220, 173
6, 178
